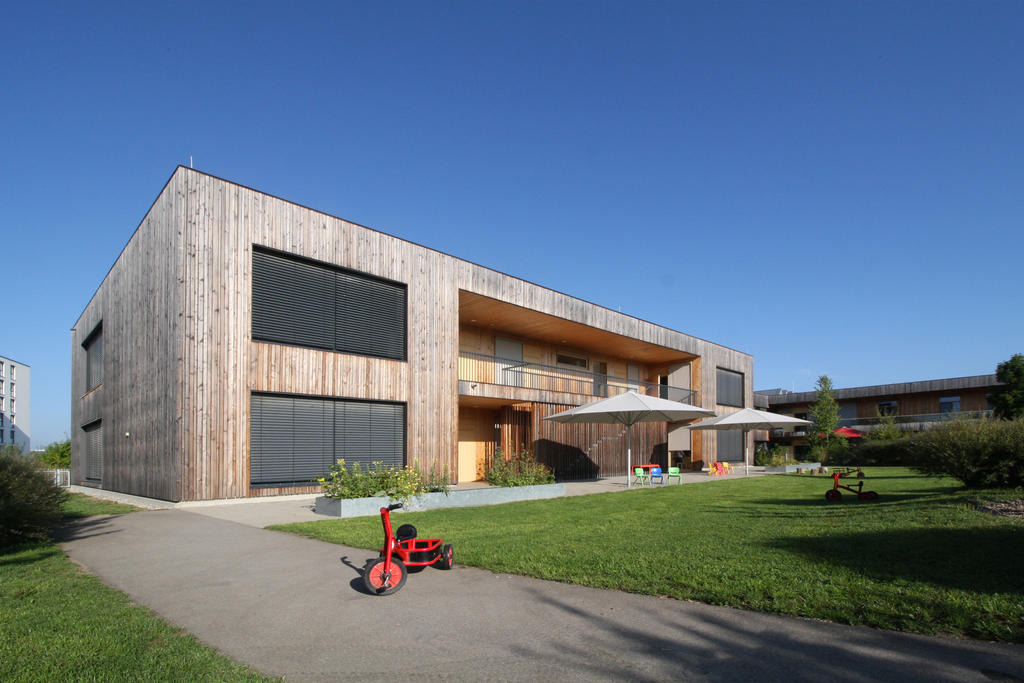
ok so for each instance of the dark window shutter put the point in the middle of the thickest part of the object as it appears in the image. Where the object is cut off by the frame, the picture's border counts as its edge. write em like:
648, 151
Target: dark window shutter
94, 451
275, 448
302, 303
729, 388
94, 359
294, 440
292, 302
730, 445
370, 317
314, 437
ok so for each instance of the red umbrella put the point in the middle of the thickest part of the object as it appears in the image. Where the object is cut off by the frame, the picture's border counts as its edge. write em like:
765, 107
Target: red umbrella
849, 433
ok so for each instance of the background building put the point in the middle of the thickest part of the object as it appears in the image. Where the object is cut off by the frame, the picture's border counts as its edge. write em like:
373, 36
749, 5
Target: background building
241, 343
15, 403
913, 405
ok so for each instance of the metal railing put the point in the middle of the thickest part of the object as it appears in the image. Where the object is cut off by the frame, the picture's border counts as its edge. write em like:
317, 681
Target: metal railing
477, 367
913, 419
870, 422
61, 478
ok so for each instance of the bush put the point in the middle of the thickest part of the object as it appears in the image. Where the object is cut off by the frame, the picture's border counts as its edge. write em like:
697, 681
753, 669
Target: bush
771, 457
521, 469
396, 483
980, 453
30, 505
834, 451
880, 452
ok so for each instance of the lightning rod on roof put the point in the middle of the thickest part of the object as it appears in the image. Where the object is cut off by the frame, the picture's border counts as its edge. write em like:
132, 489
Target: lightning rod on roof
190, 161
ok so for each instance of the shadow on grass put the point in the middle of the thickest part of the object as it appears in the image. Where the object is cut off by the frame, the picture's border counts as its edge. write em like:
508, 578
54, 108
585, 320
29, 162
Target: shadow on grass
817, 497
28, 552
978, 559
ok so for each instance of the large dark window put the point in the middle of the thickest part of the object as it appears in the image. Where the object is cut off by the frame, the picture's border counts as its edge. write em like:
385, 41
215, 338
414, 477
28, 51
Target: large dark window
299, 302
294, 440
94, 451
93, 346
730, 388
730, 445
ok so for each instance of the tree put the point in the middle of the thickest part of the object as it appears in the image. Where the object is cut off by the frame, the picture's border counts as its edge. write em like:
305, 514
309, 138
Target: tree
1008, 400
825, 411
885, 428
57, 455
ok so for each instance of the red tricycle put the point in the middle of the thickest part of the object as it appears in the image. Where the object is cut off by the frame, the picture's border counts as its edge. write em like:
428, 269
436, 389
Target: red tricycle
835, 494
401, 553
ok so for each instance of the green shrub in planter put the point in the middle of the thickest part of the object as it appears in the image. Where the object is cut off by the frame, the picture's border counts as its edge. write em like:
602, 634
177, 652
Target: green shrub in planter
396, 483
980, 453
30, 505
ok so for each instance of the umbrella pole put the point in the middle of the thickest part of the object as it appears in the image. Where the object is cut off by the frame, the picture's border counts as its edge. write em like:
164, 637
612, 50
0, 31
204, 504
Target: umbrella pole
746, 454
629, 453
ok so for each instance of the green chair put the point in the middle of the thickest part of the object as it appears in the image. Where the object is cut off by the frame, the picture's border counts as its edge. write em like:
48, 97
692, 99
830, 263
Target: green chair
641, 476
674, 472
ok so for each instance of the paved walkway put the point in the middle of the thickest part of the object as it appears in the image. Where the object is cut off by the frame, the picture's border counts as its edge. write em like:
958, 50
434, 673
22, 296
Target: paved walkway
293, 607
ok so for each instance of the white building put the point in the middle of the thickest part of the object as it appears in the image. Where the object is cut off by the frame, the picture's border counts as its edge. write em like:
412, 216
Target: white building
15, 403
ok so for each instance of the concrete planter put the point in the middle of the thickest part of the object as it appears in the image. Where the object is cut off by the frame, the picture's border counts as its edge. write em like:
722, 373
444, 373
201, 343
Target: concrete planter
793, 468
364, 507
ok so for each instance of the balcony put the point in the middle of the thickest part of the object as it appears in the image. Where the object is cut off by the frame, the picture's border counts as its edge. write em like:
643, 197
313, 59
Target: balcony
475, 367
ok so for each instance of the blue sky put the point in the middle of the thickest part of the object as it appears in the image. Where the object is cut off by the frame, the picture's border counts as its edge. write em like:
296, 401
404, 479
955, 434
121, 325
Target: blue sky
835, 188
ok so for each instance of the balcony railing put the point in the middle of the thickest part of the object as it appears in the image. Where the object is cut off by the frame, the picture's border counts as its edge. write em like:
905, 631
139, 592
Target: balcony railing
869, 423
476, 367
913, 419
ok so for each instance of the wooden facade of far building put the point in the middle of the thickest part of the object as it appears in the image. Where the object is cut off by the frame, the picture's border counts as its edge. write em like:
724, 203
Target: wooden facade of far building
165, 410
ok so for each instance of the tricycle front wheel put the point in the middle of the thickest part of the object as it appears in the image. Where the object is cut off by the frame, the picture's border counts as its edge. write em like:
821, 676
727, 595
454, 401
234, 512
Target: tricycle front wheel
379, 582
833, 495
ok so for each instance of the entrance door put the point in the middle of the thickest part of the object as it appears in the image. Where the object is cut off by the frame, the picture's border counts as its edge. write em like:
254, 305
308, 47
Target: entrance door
506, 372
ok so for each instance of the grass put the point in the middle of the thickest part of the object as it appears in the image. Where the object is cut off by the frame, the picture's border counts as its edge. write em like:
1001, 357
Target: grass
80, 505
920, 559
59, 623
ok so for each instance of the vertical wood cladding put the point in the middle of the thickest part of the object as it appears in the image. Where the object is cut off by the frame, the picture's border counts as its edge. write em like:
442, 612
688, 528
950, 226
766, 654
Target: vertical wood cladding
180, 364
139, 305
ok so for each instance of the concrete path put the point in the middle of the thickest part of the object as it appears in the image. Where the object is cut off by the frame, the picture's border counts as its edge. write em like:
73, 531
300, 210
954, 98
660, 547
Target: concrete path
293, 607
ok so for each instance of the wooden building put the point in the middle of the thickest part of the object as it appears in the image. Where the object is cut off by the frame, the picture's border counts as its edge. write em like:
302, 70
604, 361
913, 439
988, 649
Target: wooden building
912, 405
241, 343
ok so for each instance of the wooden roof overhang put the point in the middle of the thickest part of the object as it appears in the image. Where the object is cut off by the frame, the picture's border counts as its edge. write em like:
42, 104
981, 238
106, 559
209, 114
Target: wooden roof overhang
516, 321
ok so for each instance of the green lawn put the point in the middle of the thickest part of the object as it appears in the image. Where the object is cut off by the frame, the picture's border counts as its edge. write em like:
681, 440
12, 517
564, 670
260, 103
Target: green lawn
919, 559
61, 624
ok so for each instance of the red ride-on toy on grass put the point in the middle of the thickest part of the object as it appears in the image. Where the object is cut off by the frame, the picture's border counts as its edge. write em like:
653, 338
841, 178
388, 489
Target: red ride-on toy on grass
401, 553
835, 494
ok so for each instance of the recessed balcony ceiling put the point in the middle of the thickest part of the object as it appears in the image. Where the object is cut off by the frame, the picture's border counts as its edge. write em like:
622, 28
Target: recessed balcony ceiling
523, 323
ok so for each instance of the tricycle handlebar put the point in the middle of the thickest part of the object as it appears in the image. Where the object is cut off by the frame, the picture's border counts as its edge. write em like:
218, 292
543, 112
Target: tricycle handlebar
394, 506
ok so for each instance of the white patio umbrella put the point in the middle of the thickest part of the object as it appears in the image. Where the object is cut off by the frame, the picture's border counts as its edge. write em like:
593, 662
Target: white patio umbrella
628, 409
748, 419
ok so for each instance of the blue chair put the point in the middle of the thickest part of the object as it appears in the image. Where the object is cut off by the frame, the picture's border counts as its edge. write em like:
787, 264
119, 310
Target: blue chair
656, 473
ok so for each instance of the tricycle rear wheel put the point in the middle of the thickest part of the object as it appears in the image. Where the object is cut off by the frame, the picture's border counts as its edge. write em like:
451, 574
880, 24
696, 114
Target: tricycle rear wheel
378, 582
447, 557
